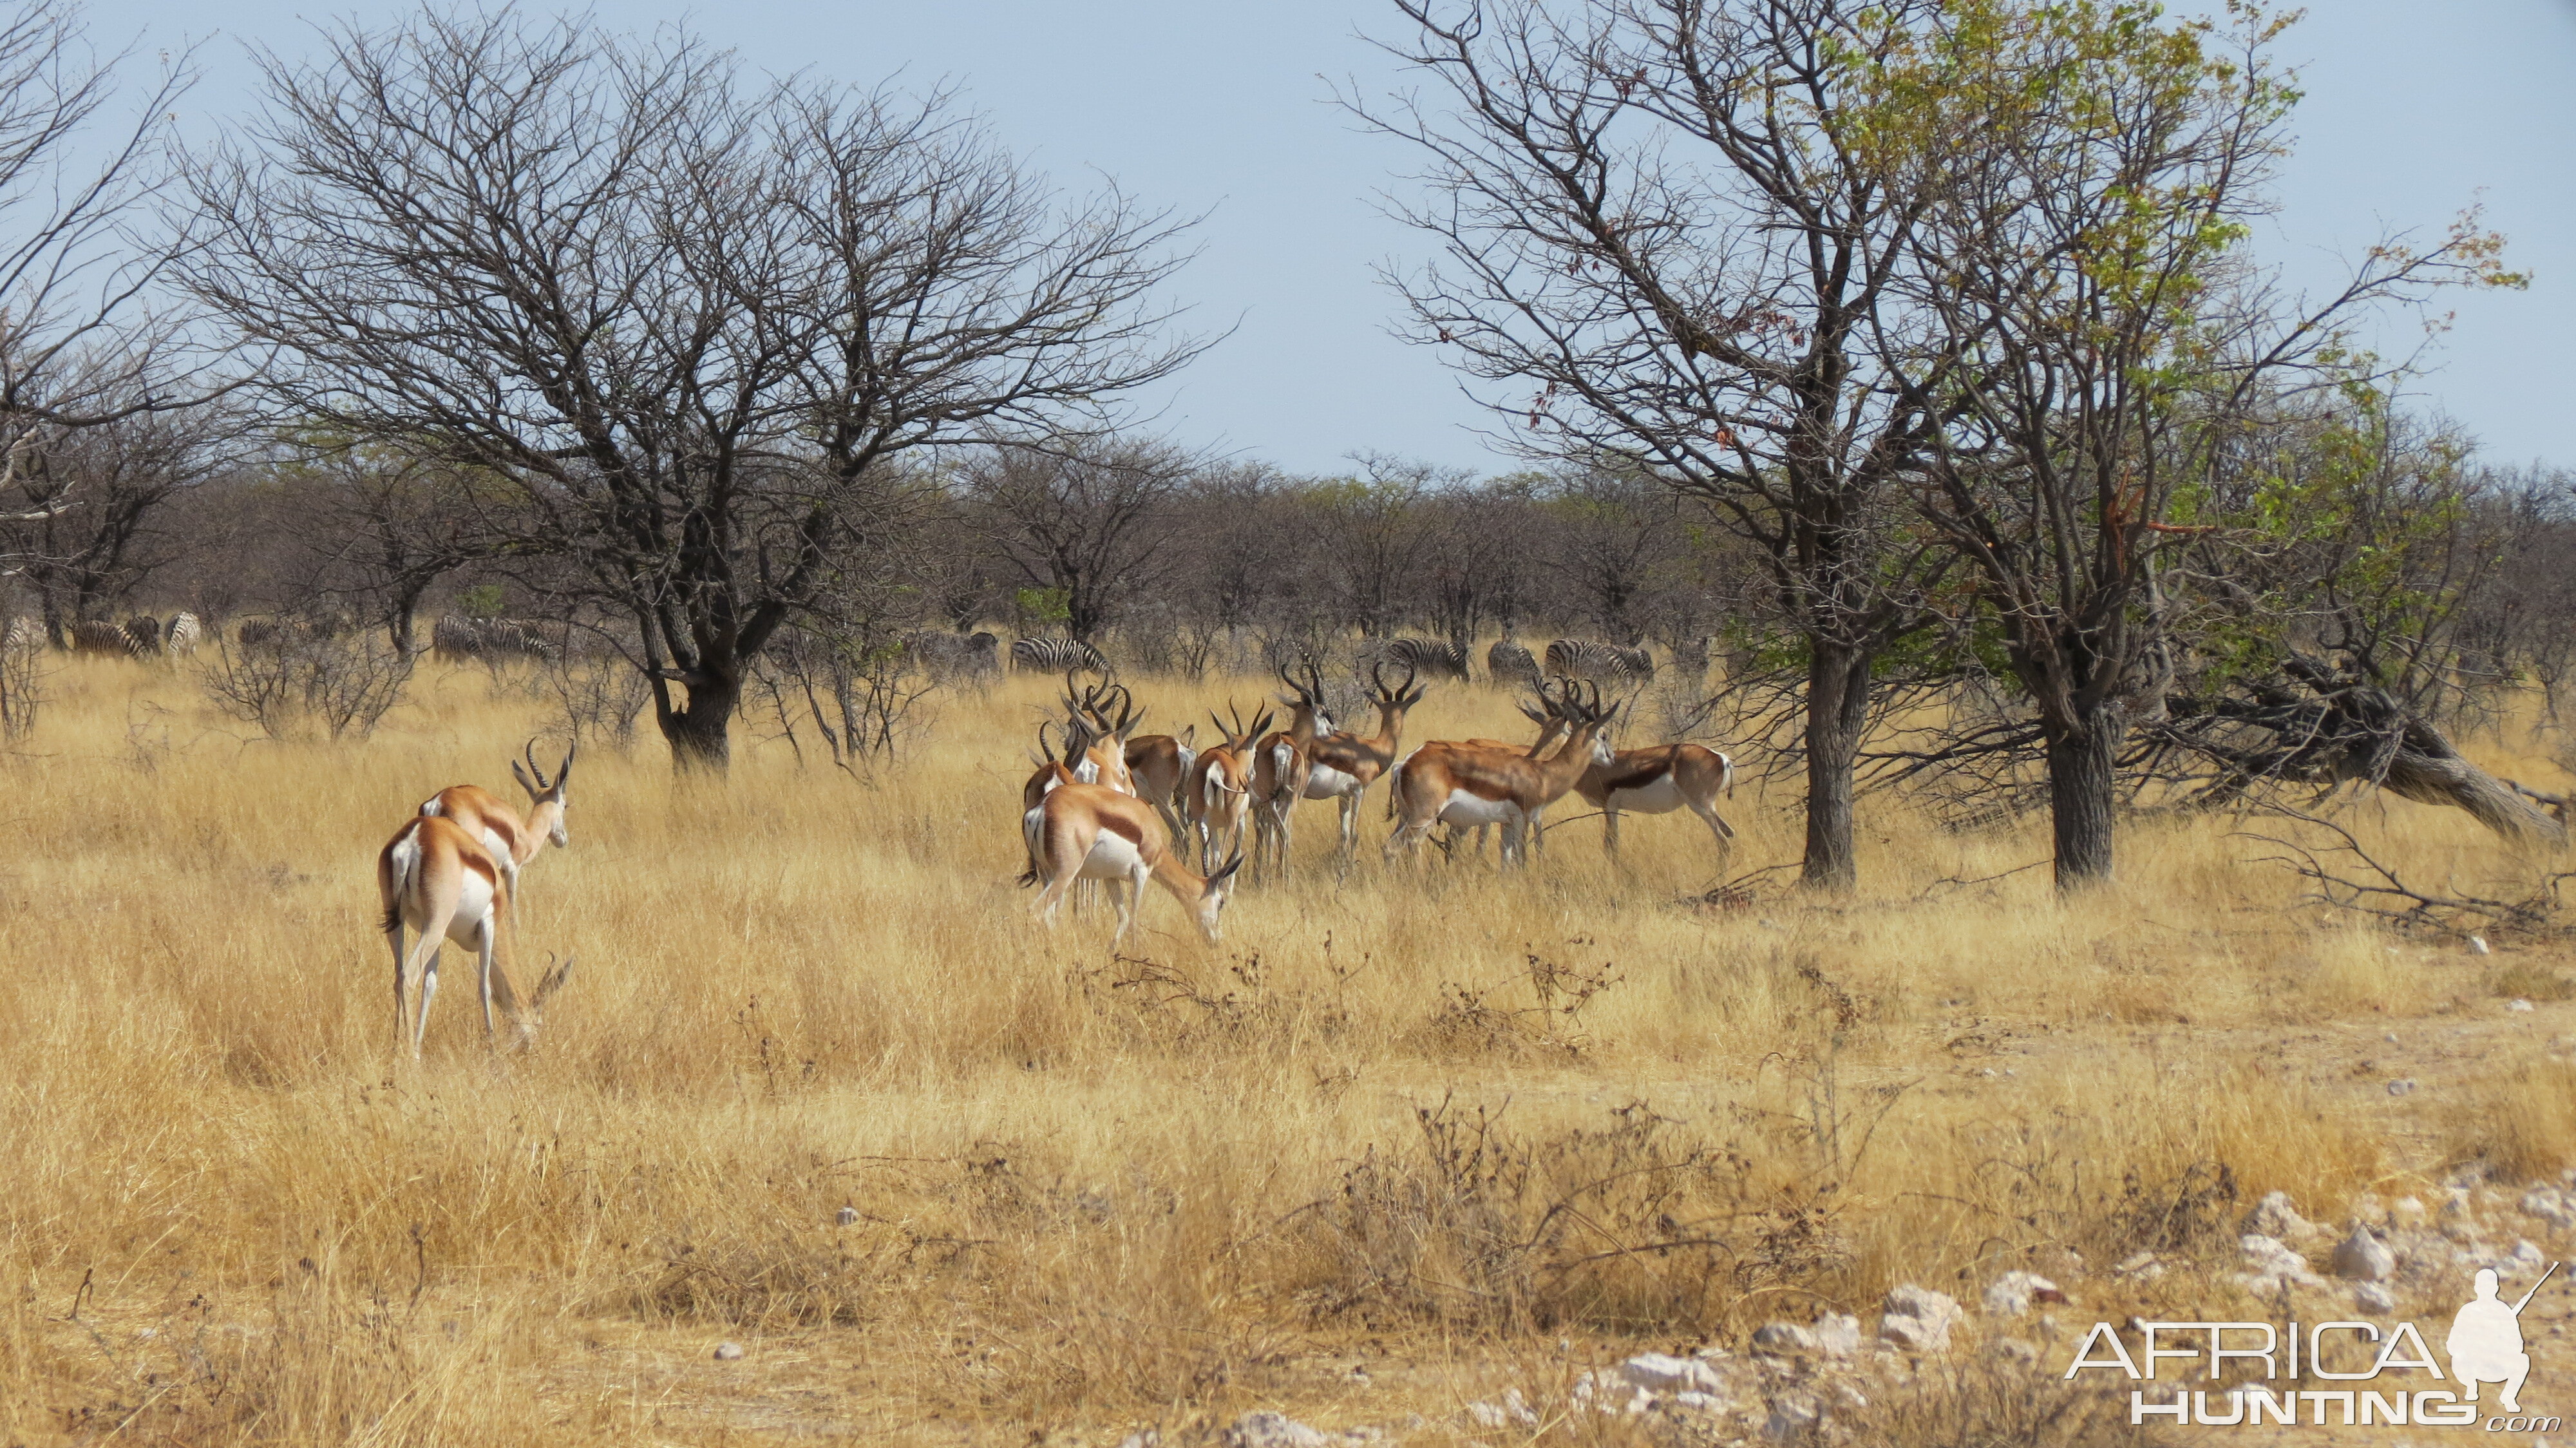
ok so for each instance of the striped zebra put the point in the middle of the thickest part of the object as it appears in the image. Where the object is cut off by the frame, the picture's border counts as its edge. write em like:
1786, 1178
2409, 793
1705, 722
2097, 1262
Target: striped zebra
1428, 658
272, 634
1509, 663
97, 636
457, 637
1599, 663
145, 632
1057, 656
183, 634
25, 636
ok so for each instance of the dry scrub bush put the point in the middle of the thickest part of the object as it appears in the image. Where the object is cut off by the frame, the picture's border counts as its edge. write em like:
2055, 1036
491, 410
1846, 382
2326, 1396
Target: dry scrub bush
300, 679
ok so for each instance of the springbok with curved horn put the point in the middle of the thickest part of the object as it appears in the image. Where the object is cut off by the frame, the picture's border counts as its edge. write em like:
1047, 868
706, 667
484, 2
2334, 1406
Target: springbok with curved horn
1657, 781
1464, 785
512, 840
1343, 764
1086, 832
1219, 791
436, 878
1279, 768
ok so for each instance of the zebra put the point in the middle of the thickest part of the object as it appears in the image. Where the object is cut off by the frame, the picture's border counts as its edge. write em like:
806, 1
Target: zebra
1509, 663
272, 634
1428, 658
97, 636
145, 632
457, 637
1057, 656
25, 636
182, 634
976, 656
1599, 663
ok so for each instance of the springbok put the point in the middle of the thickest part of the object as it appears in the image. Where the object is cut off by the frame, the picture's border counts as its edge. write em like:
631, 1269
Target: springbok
513, 841
436, 878
1083, 831
1161, 765
1219, 798
1660, 780
1279, 767
1463, 785
1343, 765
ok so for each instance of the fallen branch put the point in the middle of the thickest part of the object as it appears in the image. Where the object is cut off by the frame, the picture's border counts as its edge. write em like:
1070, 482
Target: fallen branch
2347, 877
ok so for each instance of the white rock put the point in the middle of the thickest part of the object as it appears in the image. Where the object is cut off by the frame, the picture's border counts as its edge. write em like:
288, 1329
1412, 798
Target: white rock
2478, 945
1512, 1411
2362, 1257
1657, 1372
2526, 1253
1837, 1334
2274, 1216
2551, 1206
2401, 1086
1145, 1438
2372, 1297
846, 1215
1272, 1430
2012, 1294
2517, 1005
728, 1352
2408, 1212
2271, 1258
1699, 1402
1790, 1419
1783, 1337
1848, 1398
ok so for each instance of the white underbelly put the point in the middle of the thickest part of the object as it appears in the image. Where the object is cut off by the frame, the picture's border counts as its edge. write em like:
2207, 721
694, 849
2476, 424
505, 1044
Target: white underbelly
1661, 797
1112, 857
1465, 808
1326, 782
473, 908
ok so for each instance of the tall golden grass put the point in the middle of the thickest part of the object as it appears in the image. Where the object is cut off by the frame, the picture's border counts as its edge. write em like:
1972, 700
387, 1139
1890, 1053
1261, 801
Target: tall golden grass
1428, 1114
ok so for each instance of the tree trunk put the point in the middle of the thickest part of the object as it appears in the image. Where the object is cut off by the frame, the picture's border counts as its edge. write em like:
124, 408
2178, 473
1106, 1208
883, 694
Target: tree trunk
1837, 713
2082, 792
699, 731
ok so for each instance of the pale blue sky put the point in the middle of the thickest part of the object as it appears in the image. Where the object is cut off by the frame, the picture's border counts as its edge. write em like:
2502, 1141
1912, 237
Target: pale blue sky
2414, 110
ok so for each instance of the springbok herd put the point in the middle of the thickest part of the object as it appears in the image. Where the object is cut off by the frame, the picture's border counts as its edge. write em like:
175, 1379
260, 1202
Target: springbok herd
1110, 804
1105, 802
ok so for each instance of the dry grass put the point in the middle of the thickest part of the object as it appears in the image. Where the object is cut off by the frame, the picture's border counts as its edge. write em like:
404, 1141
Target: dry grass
1433, 1116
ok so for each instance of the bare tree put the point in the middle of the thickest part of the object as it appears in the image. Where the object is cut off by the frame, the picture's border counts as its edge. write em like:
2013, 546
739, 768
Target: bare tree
1091, 522
89, 506
693, 320
1669, 231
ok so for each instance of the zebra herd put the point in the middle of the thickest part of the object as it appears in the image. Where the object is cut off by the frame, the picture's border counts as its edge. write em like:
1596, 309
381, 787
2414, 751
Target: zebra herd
141, 636
1506, 662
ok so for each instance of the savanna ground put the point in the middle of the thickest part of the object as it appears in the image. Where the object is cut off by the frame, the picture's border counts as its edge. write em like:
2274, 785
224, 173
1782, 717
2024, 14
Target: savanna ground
1406, 1136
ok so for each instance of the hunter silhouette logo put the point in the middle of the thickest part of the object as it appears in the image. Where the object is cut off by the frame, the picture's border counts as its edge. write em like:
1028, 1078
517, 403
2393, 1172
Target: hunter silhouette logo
2486, 1340
2398, 1383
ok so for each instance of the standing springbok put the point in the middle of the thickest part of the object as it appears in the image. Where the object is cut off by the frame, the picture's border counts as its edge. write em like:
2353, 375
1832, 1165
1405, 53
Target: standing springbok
1463, 785
513, 841
1660, 780
436, 878
1083, 831
1219, 791
1279, 767
1161, 765
1343, 765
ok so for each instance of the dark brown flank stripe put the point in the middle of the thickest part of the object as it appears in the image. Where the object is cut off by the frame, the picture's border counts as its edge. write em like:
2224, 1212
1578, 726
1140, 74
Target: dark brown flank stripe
1124, 828
1639, 777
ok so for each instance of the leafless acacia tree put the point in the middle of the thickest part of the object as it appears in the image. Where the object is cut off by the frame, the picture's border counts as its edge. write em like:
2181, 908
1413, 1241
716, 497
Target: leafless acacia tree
1093, 522
693, 318
1669, 232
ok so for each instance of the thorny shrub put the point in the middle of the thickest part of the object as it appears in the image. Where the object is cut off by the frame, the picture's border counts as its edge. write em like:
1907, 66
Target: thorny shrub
1640, 1225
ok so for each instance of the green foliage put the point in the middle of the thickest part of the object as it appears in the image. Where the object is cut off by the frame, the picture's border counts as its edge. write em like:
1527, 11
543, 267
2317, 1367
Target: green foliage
483, 600
1042, 605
